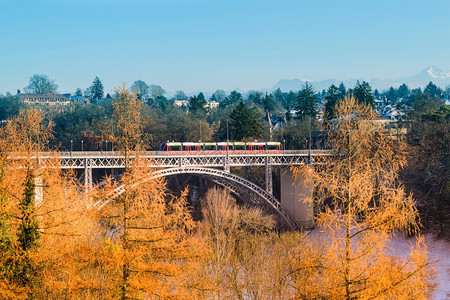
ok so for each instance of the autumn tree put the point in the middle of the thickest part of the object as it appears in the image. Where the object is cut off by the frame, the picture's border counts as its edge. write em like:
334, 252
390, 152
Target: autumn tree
246, 258
24, 137
41, 212
153, 232
360, 202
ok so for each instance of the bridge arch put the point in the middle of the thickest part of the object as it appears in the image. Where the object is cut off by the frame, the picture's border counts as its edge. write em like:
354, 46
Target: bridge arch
249, 192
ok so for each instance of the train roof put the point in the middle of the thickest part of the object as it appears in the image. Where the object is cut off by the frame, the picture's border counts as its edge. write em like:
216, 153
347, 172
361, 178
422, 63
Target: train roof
221, 143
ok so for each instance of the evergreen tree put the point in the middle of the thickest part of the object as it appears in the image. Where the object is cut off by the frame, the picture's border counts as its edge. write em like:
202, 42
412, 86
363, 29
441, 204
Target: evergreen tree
78, 93
363, 93
290, 100
233, 98
433, 90
342, 90
332, 99
392, 95
255, 97
197, 103
268, 103
376, 94
95, 91
213, 98
28, 234
307, 102
28, 237
403, 91
278, 97
162, 103
245, 123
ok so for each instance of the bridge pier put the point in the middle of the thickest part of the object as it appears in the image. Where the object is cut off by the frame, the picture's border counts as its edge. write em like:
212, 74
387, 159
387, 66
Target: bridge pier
293, 194
38, 190
268, 169
87, 174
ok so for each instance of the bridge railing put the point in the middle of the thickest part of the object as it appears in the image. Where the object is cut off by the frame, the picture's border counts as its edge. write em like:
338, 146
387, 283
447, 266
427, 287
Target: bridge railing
85, 154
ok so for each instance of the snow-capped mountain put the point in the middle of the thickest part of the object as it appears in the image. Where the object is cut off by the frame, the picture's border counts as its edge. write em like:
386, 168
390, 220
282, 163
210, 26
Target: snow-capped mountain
433, 73
421, 79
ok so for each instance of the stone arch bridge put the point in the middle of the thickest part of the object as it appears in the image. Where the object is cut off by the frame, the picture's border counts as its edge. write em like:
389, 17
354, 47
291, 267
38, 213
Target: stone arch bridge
216, 167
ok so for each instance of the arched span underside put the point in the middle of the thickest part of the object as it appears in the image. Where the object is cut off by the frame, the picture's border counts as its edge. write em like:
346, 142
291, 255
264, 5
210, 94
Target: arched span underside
250, 193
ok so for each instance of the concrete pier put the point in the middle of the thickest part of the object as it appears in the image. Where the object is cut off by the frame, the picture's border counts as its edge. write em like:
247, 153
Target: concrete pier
293, 196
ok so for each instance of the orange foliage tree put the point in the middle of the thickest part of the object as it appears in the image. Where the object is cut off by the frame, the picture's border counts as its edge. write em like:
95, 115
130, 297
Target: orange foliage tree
150, 230
360, 201
41, 211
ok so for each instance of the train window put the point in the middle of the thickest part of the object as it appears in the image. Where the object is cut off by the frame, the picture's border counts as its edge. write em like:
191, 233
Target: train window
239, 146
210, 146
273, 146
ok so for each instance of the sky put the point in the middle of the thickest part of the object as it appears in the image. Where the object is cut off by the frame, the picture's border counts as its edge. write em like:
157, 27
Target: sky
204, 45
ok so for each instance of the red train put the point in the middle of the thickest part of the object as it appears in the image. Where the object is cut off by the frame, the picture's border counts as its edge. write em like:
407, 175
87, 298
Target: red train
220, 147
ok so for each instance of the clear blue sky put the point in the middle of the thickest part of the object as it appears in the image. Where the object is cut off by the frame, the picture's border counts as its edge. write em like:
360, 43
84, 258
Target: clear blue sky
194, 45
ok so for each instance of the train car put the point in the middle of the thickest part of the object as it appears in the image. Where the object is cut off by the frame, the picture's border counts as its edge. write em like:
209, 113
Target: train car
186, 148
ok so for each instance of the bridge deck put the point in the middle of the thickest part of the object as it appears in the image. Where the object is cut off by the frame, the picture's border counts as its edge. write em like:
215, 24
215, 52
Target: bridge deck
103, 159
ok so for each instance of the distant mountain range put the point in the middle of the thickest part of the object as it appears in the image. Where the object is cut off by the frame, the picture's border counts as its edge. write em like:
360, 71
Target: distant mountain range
421, 79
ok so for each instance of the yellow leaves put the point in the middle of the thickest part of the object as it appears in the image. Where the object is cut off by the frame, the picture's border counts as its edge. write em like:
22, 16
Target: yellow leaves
125, 130
12, 291
26, 134
362, 201
150, 233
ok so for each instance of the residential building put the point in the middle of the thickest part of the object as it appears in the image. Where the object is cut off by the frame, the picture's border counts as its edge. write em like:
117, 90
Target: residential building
51, 100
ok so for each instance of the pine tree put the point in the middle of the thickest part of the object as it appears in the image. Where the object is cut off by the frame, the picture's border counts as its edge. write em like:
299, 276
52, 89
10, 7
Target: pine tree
307, 102
95, 91
245, 123
342, 90
432, 90
197, 103
403, 91
268, 103
363, 93
78, 93
332, 100
232, 99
